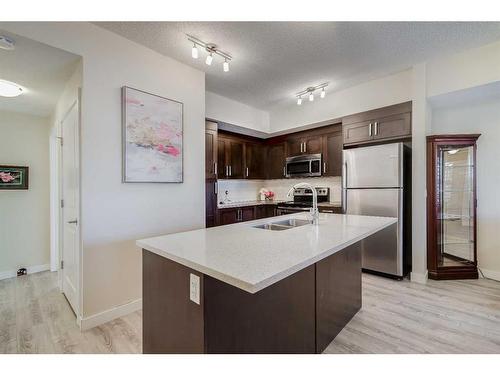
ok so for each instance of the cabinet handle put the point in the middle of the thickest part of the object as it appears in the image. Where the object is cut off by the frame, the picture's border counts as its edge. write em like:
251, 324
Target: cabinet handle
324, 167
215, 169
284, 171
376, 127
370, 129
215, 188
305, 147
230, 171
301, 148
227, 171
247, 171
327, 211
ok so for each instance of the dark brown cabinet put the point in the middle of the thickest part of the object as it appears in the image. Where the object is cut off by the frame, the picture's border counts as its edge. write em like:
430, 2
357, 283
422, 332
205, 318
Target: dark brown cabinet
265, 210
388, 123
230, 157
255, 161
276, 160
210, 203
235, 215
451, 207
332, 155
304, 144
210, 150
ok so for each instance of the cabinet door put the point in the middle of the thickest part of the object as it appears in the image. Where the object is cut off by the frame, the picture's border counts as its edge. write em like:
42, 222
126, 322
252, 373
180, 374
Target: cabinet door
228, 216
396, 126
210, 154
313, 145
247, 213
294, 146
210, 203
276, 161
222, 156
270, 210
359, 132
255, 158
332, 154
236, 159
260, 212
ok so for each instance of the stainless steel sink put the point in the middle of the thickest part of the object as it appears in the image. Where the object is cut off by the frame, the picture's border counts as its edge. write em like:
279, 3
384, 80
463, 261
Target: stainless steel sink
283, 224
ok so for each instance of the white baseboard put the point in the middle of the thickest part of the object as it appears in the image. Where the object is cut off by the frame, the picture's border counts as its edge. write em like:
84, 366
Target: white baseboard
108, 315
495, 275
420, 278
32, 269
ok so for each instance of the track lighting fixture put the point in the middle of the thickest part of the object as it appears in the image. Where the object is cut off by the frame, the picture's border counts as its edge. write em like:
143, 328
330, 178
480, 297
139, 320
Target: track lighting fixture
194, 51
209, 59
211, 49
310, 92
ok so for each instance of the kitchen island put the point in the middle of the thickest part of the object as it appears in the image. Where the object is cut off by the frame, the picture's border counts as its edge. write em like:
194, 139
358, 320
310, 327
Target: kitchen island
252, 287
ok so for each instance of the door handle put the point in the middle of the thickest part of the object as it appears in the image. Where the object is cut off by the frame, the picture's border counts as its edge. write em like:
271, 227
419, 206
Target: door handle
370, 129
73, 221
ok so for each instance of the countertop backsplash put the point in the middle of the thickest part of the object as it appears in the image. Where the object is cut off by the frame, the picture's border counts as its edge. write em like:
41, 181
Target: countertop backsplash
248, 190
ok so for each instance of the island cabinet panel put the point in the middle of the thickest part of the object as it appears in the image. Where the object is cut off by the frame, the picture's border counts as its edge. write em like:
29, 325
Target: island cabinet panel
172, 323
277, 319
338, 293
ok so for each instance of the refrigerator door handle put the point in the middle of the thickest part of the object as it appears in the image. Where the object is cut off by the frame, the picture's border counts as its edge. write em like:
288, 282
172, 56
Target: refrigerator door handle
344, 188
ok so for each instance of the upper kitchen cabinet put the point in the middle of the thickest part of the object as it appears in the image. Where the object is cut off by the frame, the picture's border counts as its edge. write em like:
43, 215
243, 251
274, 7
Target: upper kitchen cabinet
230, 157
304, 144
387, 123
276, 160
210, 150
332, 153
255, 160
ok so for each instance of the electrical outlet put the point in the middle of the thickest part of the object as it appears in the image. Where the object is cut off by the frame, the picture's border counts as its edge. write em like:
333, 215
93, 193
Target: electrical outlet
194, 288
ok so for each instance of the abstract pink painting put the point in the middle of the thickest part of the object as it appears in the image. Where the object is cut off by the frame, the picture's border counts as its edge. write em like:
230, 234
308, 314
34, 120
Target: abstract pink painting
152, 137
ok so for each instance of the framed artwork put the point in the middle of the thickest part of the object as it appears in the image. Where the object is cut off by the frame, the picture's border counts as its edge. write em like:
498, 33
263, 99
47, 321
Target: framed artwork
13, 177
152, 137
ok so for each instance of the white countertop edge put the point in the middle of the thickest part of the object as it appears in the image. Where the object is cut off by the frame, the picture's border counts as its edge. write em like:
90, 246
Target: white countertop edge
254, 288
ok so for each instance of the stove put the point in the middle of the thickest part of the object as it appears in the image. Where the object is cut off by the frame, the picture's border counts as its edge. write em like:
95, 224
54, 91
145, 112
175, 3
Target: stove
303, 200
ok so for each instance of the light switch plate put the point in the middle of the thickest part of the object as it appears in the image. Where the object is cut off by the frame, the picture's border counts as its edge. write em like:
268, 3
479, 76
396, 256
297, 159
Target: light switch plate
194, 288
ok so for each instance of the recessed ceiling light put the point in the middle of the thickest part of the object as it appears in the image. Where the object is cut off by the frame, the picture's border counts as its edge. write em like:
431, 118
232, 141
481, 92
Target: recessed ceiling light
10, 89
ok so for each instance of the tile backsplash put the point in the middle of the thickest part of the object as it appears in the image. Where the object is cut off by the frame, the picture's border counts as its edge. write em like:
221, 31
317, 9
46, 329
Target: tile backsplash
248, 190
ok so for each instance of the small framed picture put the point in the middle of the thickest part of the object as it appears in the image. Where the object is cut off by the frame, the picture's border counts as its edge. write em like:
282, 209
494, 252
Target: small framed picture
13, 178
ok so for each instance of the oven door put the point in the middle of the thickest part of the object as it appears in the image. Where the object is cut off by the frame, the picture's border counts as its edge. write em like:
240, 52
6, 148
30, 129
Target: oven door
303, 166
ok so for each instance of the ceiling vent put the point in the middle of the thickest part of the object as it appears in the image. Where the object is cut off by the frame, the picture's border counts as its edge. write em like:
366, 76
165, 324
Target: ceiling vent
7, 43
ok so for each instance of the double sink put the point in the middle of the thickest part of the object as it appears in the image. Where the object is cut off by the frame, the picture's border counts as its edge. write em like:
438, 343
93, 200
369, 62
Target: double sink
283, 224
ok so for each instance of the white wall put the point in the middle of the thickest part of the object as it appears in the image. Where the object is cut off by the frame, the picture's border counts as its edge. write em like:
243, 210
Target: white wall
480, 117
114, 214
24, 214
369, 95
232, 112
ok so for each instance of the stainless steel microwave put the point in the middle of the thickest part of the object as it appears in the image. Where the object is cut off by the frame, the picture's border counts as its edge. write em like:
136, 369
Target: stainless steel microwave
303, 166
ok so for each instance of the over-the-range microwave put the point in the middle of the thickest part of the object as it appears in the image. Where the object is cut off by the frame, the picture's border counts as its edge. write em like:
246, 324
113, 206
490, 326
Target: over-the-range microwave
303, 166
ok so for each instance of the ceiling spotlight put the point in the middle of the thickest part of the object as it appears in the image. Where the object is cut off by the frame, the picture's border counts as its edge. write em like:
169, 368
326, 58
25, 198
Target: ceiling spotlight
209, 59
323, 93
194, 51
299, 100
226, 65
7, 43
311, 97
10, 89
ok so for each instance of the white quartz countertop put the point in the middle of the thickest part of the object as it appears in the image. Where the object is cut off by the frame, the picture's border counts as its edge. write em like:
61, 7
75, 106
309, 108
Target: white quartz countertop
252, 258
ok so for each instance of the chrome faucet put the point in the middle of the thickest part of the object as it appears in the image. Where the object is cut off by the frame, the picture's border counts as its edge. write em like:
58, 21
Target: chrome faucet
314, 210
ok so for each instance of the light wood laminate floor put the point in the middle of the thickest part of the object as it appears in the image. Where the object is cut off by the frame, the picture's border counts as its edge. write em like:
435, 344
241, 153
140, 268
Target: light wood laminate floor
397, 317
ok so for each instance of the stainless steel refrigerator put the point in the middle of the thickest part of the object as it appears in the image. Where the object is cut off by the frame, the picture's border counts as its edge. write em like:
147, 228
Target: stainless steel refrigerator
376, 182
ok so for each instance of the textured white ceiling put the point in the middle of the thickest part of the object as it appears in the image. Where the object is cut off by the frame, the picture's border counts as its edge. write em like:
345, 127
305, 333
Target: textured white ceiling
274, 60
42, 70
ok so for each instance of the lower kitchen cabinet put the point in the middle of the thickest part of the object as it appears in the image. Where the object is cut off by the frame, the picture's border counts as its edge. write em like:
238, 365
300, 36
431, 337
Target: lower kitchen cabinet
266, 210
247, 213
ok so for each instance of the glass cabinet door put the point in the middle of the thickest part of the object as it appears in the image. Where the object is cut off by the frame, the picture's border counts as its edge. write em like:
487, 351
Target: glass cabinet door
455, 194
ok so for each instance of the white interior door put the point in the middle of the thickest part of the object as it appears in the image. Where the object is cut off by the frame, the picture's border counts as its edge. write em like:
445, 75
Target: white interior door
70, 210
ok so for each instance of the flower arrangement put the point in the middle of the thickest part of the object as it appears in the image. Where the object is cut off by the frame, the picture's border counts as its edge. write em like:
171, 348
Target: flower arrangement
266, 194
